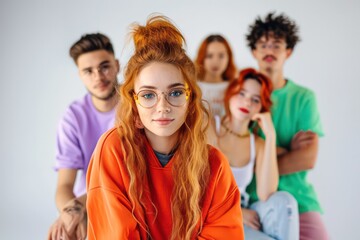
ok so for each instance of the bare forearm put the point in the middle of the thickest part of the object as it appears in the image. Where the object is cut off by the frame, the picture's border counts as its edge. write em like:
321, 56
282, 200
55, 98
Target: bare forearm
82, 199
267, 171
65, 194
297, 160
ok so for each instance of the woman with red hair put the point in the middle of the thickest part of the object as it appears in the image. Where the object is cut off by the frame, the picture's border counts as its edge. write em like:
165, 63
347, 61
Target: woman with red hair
216, 68
247, 105
153, 176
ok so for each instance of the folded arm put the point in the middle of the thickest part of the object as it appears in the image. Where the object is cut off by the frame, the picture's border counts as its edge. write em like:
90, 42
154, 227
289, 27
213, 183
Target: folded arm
303, 153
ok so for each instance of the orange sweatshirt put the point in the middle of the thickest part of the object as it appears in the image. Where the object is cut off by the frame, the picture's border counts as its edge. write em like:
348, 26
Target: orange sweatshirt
110, 210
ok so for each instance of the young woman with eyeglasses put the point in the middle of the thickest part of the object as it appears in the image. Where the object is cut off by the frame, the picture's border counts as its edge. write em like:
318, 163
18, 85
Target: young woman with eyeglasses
154, 176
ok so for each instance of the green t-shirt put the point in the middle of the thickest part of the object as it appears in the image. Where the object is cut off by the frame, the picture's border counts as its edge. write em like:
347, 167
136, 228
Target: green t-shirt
294, 109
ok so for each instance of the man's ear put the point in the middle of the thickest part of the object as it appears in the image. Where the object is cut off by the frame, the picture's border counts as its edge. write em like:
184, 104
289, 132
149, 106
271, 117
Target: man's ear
253, 52
117, 64
289, 51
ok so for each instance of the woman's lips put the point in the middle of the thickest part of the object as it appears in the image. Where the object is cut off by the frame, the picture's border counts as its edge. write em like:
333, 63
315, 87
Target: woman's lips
244, 110
163, 121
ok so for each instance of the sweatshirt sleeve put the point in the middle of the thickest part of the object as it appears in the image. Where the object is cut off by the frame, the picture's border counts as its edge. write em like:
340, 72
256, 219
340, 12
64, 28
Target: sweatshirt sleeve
109, 210
224, 216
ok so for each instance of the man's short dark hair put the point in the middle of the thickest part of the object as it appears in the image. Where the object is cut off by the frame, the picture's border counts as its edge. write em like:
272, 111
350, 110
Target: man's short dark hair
280, 26
89, 43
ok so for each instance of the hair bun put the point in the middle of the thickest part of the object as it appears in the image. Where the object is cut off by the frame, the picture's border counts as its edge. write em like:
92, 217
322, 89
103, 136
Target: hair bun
159, 30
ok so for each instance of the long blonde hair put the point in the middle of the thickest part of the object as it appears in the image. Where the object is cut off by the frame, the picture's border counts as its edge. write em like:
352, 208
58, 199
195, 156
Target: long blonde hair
160, 41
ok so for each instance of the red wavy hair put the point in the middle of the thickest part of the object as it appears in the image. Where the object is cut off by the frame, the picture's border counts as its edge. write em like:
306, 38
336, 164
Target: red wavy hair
160, 41
230, 71
236, 86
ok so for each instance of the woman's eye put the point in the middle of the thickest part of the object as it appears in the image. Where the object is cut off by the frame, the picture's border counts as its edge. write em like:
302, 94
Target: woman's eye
255, 100
176, 93
149, 95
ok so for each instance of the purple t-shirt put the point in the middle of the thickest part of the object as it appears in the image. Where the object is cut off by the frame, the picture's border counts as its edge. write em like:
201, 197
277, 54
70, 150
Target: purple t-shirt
77, 135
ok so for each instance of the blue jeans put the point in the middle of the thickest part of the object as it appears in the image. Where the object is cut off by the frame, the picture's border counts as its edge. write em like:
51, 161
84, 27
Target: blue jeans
279, 218
252, 234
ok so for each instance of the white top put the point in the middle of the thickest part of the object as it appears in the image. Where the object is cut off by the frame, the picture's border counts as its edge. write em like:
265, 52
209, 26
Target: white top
243, 175
214, 93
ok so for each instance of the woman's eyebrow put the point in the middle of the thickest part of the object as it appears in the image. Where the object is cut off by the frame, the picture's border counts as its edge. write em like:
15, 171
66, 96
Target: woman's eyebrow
176, 85
148, 87
155, 88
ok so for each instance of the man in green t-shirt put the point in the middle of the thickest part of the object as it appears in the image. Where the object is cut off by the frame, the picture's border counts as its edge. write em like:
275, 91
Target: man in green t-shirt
295, 116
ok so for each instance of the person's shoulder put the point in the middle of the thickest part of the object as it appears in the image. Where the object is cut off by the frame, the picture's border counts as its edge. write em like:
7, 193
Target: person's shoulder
216, 158
110, 137
298, 93
78, 107
105, 161
78, 112
300, 89
108, 146
81, 104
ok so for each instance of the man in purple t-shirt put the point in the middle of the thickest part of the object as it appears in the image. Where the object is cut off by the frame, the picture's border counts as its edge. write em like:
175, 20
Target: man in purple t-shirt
83, 123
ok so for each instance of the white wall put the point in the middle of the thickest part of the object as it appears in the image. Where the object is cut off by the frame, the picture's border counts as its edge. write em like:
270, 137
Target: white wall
38, 80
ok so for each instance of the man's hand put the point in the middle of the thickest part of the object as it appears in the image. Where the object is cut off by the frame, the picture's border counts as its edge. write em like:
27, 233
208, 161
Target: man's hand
71, 223
302, 139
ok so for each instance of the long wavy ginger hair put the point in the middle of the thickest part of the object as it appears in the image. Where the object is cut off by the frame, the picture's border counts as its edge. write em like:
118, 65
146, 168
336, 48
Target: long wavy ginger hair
230, 71
160, 41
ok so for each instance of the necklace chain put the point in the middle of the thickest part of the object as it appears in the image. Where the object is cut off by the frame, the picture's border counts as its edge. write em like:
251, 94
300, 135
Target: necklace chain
234, 133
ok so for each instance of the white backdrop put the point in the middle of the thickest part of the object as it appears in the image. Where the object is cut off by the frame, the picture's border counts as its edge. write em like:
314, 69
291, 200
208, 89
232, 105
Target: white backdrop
38, 80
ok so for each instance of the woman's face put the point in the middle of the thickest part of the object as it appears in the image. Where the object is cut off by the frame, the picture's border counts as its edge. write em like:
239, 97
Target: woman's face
160, 89
216, 59
247, 102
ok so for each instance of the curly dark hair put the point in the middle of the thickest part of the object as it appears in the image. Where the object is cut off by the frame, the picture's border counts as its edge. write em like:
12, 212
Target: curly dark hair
281, 26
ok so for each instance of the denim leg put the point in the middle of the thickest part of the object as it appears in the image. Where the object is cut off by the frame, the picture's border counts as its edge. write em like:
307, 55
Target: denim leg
252, 234
279, 216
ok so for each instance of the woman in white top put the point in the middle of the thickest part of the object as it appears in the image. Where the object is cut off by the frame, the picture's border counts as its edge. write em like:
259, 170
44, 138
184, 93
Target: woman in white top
215, 69
247, 105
